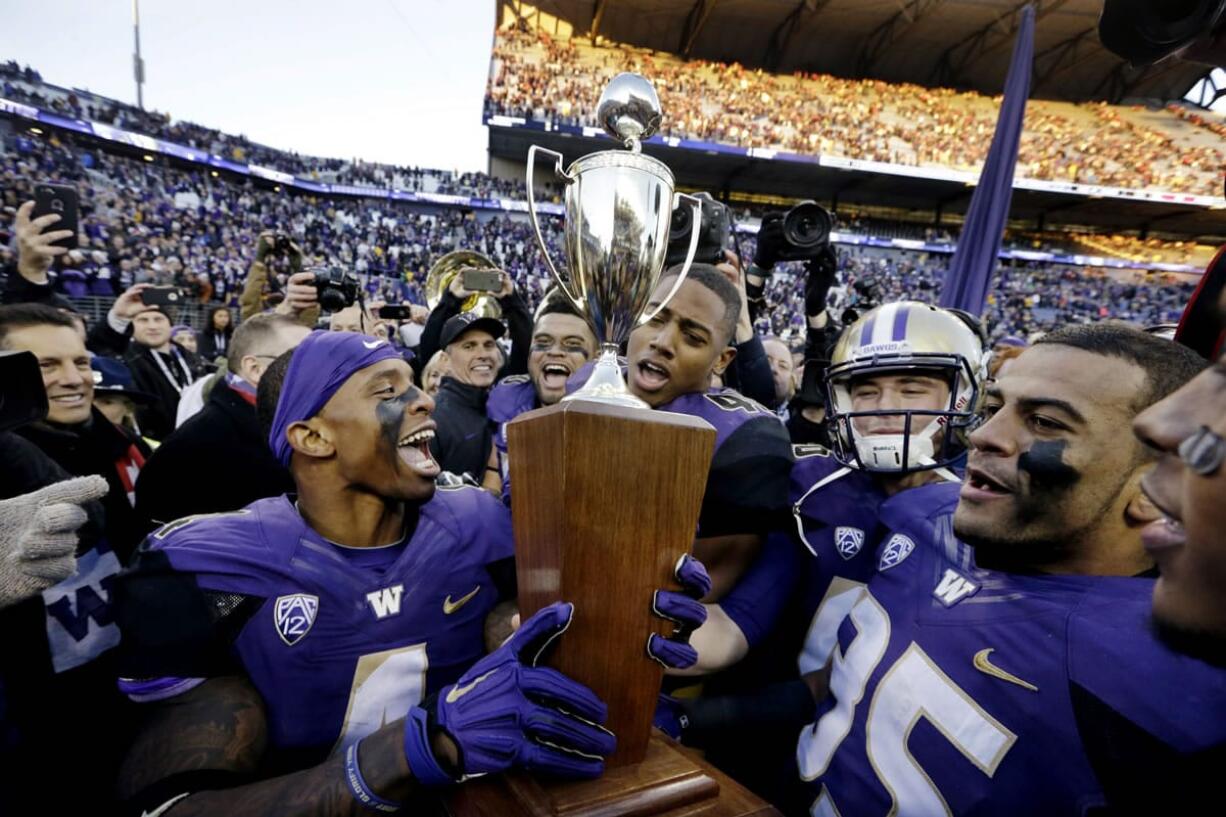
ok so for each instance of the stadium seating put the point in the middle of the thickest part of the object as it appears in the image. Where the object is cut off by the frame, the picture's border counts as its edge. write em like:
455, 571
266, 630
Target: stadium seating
150, 221
539, 78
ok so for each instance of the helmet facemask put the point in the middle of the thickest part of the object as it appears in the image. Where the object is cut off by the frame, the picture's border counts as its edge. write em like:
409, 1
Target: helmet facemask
929, 438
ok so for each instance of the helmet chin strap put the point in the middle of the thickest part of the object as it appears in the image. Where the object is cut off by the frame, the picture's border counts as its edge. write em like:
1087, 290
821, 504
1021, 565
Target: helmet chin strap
884, 452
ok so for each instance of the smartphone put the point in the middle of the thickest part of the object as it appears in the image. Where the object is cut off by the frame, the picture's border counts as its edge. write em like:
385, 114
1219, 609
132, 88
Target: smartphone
481, 280
61, 200
161, 296
23, 399
396, 312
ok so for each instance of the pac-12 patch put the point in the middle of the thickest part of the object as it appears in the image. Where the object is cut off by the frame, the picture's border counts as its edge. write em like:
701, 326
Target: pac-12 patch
294, 615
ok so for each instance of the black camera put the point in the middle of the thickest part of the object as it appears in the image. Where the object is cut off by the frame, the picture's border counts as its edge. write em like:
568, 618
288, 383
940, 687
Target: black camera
281, 244
806, 230
336, 288
714, 233
23, 399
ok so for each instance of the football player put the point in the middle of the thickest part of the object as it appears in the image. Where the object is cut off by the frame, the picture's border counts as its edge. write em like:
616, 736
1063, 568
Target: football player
902, 386
322, 653
671, 359
999, 659
562, 342
1187, 431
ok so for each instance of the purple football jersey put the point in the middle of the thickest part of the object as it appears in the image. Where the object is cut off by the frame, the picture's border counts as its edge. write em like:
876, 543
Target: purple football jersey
959, 690
340, 641
510, 398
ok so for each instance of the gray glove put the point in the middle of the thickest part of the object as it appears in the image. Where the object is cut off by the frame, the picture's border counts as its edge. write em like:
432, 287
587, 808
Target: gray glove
38, 536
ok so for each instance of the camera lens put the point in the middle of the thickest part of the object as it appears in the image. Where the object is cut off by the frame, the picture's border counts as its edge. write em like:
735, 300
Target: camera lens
681, 224
806, 225
331, 300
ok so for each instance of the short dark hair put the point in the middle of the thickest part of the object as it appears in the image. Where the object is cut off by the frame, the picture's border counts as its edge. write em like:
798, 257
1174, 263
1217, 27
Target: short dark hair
268, 393
556, 302
21, 316
1167, 365
717, 282
253, 333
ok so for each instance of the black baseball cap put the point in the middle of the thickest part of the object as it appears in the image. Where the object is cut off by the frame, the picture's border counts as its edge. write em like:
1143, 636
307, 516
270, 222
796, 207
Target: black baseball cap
465, 321
113, 377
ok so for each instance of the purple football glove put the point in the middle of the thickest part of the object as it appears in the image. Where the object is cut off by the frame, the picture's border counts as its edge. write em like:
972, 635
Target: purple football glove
506, 712
684, 610
671, 717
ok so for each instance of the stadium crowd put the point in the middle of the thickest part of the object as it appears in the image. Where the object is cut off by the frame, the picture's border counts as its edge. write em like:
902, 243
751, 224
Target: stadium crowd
545, 79
148, 222
944, 563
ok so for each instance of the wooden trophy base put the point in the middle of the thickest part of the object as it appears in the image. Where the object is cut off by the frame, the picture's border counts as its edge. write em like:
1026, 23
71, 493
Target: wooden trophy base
668, 782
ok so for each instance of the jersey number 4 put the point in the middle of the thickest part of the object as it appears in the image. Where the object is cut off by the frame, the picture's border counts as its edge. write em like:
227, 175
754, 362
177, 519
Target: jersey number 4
913, 687
385, 685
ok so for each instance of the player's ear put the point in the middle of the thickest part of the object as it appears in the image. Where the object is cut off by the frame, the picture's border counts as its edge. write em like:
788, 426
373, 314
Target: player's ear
311, 437
724, 360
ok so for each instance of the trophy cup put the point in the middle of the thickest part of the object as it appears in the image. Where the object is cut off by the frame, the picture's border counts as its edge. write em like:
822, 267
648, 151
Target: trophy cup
607, 492
618, 206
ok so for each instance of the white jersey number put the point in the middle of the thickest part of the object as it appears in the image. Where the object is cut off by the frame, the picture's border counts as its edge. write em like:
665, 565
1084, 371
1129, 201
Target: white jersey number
914, 687
385, 685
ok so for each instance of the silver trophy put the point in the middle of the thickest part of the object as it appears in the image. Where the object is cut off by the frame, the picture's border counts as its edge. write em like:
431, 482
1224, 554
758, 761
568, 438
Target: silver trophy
618, 207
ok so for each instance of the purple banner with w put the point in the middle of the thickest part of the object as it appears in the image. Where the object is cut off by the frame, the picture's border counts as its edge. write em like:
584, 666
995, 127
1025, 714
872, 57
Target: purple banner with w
974, 261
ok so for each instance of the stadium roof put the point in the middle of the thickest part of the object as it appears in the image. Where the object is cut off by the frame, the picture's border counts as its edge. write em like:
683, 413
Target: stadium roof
955, 43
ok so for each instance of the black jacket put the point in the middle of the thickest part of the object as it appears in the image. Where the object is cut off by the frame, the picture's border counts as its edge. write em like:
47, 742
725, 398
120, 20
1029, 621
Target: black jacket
158, 419
464, 436
217, 461
209, 347
17, 290
39, 706
95, 447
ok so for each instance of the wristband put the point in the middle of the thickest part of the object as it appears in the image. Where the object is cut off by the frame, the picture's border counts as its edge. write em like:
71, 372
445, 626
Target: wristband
358, 787
422, 763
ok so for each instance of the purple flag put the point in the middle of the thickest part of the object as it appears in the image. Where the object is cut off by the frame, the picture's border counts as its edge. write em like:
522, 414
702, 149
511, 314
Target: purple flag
970, 272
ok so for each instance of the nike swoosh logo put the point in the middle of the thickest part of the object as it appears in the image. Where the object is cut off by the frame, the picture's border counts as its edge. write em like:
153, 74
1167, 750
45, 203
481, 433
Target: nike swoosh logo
458, 692
985, 666
450, 606
373, 344
162, 809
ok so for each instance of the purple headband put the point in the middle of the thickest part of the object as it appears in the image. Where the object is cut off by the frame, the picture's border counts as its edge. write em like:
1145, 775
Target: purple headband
321, 364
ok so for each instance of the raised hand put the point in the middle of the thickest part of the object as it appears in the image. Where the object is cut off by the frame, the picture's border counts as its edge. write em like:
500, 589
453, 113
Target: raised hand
36, 247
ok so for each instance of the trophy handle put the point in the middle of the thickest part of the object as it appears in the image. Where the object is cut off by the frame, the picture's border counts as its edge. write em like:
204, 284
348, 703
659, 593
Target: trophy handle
536, 225
689, 255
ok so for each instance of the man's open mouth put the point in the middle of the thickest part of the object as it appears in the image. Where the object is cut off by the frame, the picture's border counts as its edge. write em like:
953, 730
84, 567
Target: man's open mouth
414, 450
652, 375
554, 375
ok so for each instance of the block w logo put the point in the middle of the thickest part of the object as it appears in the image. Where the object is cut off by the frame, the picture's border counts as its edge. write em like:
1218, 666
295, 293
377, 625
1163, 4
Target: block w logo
953, 588
386, 602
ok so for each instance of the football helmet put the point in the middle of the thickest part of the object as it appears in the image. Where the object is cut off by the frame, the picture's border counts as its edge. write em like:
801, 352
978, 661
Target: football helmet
900, 338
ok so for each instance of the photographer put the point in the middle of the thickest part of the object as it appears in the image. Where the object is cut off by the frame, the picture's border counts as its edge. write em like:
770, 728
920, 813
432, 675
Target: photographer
801, 234
300, 300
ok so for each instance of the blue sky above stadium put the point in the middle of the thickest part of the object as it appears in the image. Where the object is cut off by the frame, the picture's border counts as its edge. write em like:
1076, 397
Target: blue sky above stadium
399, 81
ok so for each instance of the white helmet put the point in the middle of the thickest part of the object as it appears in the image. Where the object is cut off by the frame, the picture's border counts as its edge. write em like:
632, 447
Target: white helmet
892, 339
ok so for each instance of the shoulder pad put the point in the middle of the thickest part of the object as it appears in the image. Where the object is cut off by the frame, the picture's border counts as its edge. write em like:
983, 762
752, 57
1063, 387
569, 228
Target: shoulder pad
732, 400
462, 505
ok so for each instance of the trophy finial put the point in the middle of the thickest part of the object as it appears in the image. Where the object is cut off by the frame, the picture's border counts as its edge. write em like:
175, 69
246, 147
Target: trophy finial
629, 109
